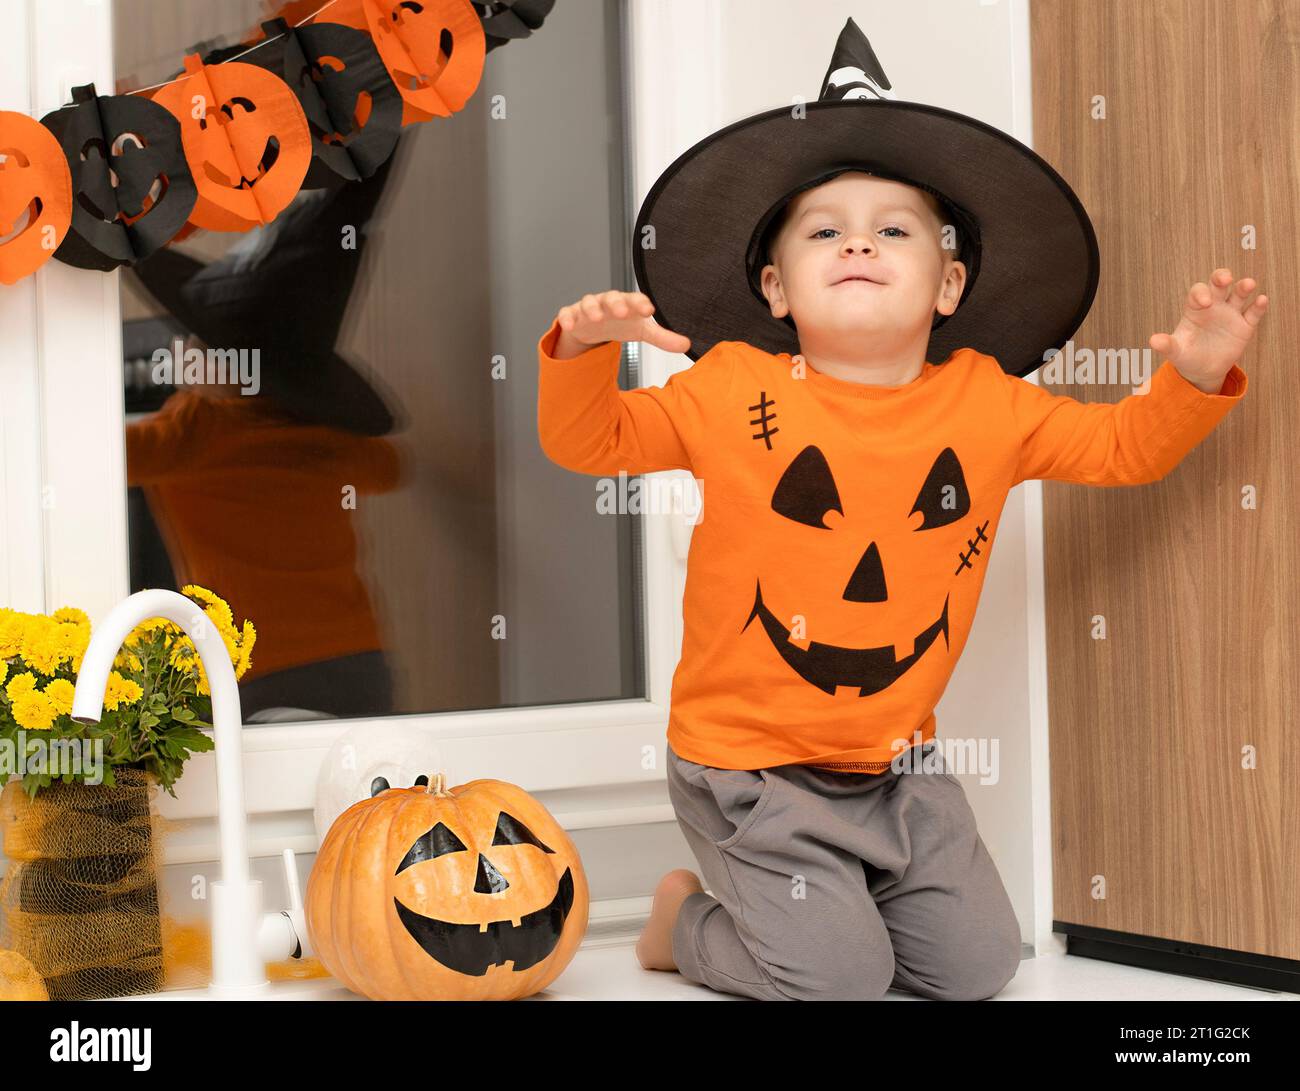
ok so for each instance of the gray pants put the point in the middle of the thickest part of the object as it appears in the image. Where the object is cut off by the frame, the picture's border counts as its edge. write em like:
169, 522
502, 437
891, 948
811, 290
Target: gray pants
834, 886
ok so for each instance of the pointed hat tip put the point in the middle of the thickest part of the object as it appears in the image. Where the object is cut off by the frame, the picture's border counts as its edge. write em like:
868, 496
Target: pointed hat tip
855, 71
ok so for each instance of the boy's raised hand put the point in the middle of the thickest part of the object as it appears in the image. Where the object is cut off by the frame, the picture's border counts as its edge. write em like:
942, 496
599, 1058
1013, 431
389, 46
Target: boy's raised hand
612, 316
1216, 327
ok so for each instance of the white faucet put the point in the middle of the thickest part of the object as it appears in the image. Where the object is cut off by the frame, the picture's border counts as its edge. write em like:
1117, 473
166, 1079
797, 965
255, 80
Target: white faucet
244, 938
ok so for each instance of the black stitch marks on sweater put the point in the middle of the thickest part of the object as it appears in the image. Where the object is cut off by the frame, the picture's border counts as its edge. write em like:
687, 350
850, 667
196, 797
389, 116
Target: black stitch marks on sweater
974, 548
765, 433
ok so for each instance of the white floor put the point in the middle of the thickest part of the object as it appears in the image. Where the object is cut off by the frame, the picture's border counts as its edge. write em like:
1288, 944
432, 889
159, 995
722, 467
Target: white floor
610, 971
605, 968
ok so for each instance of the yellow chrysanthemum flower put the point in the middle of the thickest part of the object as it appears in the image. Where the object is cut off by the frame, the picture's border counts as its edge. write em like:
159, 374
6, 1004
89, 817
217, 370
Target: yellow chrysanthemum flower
231, 640
33, 710
184, 648
246, 649
20, 684
186, 658
146, 630
42, 648
71, 640
214, 606
121, 691
47, 643
71, 614
12, 626
59, 693
4, 671
124, 660
229, 636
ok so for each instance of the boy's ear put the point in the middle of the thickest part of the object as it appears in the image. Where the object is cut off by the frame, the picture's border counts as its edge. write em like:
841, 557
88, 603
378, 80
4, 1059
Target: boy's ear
954, 281
770, 282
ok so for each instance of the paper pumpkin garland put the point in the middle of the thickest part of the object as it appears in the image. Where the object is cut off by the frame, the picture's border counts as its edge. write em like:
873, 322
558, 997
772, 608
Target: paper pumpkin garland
353, 110
35, 196
131, 188
318, 99
246, 141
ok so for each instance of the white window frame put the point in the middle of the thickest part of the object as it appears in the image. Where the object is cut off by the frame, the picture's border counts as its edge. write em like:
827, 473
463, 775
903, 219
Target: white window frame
63, 485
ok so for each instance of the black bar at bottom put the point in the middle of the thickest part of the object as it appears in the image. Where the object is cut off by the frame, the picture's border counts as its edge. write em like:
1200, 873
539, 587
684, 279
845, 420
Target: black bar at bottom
1179, 957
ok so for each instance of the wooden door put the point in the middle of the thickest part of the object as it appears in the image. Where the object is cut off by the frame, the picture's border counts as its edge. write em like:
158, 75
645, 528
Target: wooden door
1175, 764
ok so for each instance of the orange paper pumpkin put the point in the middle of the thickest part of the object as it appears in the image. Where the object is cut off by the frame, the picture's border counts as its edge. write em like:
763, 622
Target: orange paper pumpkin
35, 195
476, 893
410, 38
246, 141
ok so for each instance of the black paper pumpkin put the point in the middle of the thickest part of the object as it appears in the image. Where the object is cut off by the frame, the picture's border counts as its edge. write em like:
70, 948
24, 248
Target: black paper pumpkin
131, 188
353, 108
505, 20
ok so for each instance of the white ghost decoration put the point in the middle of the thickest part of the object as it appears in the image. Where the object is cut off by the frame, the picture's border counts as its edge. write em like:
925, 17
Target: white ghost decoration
395, 752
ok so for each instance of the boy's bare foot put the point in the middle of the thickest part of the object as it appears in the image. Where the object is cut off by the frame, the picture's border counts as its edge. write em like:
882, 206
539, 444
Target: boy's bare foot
654, 950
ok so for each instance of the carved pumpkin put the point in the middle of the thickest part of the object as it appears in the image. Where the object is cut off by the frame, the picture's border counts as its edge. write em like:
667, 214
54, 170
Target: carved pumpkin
245, 138
131, 188
423, 893
35, 196
433, 49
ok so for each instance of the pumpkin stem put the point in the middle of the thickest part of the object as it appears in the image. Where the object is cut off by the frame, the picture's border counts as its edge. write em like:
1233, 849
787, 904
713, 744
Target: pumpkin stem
437, 785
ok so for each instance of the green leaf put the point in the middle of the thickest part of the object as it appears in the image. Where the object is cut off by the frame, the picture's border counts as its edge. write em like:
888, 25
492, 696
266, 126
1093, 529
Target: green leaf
192, 738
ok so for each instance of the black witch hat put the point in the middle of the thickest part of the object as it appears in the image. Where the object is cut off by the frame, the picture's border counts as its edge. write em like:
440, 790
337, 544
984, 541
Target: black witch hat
1026, 240
284, 289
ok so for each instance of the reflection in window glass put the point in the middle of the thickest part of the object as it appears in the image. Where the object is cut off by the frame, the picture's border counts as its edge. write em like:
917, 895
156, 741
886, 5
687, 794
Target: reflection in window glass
339, 455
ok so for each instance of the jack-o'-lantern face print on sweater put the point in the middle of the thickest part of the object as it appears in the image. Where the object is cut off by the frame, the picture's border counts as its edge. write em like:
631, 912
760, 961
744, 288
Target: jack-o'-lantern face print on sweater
854, 572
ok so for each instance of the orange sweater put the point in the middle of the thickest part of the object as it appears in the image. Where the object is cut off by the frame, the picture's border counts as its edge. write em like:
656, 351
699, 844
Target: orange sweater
846, 529
251, 506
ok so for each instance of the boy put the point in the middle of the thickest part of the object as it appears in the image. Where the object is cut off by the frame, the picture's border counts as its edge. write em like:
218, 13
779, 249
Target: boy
854, 493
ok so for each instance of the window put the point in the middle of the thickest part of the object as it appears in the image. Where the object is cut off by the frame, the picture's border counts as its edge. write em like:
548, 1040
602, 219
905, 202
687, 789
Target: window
379, 507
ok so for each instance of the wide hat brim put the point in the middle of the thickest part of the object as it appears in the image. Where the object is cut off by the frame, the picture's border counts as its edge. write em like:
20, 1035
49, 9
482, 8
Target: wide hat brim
308, 380
284, 288
1038, 261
